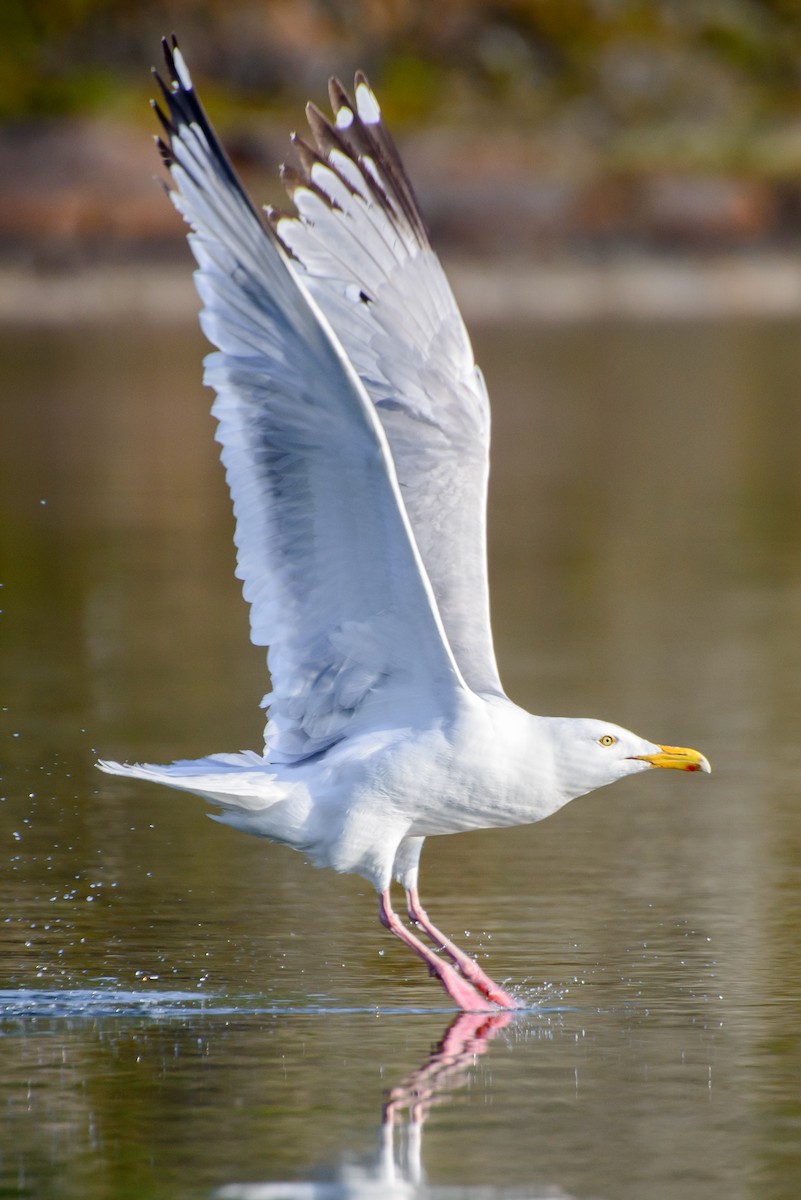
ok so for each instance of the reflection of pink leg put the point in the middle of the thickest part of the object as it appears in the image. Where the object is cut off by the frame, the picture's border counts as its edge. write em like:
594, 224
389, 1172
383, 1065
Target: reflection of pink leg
462, 992
446, 1068
468, 967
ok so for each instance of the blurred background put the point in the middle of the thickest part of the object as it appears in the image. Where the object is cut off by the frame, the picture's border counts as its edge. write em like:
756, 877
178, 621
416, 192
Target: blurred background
535, 126
615, 187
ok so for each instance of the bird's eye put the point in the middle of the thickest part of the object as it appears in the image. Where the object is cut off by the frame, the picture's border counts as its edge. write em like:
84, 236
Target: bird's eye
607, 740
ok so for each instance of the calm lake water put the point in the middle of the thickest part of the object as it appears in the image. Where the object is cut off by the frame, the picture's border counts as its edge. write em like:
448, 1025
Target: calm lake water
186, 1012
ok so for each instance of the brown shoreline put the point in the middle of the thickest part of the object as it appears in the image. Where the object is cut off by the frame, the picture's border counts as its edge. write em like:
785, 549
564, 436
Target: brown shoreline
634, 286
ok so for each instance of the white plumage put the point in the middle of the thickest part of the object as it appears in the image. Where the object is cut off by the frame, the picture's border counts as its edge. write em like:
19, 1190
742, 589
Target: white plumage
354, 426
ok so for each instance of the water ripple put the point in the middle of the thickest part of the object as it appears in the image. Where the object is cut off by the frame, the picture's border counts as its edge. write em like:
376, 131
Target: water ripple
90, 1003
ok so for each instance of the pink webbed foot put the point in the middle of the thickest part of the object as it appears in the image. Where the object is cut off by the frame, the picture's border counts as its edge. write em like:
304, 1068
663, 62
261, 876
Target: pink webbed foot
459, 988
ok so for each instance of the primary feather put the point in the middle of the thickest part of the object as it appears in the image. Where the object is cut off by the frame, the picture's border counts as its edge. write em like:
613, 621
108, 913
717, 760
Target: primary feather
362, 250
330, 566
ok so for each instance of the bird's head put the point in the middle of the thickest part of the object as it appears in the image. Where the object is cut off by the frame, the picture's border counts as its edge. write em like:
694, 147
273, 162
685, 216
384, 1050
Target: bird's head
591, 753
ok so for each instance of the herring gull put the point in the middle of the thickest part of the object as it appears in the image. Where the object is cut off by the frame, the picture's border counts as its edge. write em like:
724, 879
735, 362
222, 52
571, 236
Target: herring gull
354, 426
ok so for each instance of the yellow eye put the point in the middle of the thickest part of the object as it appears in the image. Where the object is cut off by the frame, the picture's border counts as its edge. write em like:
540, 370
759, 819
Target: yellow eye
607, 740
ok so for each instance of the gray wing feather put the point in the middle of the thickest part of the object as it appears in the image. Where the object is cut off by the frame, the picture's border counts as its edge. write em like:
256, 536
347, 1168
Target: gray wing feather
363, 252
325, 549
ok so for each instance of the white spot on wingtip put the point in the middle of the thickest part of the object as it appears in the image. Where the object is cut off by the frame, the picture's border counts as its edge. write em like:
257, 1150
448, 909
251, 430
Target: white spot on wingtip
181, 69
321, 175
367, 105
283, 224
368, 163
344, 117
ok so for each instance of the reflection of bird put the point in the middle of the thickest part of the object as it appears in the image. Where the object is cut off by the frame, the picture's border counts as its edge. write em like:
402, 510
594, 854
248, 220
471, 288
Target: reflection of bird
396, 1173
355, 428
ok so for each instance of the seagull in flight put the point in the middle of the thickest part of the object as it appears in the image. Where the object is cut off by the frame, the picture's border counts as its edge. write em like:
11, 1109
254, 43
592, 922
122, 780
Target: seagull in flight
354, 425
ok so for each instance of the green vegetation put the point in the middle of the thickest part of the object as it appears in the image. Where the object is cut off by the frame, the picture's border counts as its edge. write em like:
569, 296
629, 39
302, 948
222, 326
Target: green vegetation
627, 62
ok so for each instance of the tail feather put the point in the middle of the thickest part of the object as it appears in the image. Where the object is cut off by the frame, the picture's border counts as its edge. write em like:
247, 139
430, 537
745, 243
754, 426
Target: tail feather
238, 781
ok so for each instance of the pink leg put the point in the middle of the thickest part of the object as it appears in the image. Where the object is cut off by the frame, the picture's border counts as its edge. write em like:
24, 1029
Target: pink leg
468, 967
458, 988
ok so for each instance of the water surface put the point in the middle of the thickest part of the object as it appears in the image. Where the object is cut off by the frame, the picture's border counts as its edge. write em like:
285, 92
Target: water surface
188, 1012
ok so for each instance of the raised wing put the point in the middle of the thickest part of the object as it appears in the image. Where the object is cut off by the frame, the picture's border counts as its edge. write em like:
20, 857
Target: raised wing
363, 252
329, 563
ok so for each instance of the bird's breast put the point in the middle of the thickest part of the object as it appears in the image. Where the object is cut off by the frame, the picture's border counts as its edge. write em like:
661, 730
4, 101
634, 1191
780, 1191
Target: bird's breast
484, 770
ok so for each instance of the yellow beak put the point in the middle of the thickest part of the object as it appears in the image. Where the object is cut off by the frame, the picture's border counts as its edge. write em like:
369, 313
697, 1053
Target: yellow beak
678, 758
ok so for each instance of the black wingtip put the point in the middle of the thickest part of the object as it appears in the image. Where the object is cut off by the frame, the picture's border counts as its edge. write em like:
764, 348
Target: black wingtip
170, 47
161, 85
164, 150
165, 122
337, 95
307, 154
